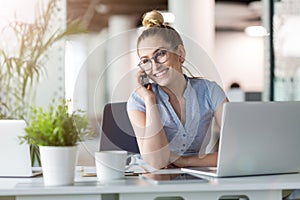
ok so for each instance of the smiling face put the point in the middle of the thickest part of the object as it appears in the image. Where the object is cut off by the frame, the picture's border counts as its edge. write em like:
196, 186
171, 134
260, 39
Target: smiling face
166, 73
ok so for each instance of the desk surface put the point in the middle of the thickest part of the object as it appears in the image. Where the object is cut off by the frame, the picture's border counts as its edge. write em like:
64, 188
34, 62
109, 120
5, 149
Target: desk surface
134, 184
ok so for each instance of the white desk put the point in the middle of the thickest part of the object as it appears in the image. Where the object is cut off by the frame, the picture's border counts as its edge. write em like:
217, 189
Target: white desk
87, 188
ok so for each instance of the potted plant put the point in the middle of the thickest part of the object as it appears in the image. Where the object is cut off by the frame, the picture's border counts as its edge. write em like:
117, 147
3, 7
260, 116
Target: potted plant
57, 132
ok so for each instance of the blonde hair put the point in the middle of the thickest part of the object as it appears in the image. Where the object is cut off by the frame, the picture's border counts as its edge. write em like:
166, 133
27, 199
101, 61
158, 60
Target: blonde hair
153, 21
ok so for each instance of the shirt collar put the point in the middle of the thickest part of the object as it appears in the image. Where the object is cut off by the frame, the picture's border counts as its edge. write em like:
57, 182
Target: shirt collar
187, 88
186, 93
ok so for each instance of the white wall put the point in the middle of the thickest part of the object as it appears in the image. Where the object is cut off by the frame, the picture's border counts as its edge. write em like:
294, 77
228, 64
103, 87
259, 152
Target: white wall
240, 58
85, 64
195, 20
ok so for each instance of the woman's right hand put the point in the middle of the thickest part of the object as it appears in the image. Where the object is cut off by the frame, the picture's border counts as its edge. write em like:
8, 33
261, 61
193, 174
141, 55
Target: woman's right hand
146, 94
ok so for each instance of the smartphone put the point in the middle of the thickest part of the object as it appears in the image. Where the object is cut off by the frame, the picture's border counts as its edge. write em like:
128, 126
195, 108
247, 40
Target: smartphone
172, 178
146, 81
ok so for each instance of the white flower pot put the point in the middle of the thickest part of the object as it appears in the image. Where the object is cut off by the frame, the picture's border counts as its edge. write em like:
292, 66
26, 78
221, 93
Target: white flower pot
58, 164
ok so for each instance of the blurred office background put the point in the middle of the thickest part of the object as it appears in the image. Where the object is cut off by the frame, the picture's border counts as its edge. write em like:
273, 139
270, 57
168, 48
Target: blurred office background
226, 40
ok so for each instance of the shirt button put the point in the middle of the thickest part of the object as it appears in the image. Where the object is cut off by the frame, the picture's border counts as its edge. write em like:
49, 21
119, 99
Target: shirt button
184, 135
183, 145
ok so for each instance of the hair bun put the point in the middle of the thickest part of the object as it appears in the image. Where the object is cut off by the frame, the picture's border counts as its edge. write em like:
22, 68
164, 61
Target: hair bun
152, 19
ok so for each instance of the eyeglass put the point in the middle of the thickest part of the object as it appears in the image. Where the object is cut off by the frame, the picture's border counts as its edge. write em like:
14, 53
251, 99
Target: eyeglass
159, 57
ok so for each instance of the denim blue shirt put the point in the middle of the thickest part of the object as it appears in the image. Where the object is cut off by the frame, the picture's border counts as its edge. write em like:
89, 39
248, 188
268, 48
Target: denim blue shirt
203, 98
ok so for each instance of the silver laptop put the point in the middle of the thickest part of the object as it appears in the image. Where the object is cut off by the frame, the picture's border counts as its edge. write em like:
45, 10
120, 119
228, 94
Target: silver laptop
15, 157
257, 138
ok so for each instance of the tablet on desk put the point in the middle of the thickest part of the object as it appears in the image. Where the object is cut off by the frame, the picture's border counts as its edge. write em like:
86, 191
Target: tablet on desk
172, 178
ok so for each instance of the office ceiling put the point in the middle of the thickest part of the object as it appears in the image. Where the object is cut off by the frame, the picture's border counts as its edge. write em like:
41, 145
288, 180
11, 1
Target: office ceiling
230, 14
95, 13
236, 1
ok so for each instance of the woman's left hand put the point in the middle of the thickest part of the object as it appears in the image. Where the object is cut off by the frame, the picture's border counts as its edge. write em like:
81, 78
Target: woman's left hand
177, 161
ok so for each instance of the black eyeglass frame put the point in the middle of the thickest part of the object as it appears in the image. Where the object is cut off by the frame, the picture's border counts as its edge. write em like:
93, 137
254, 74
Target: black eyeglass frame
155, 59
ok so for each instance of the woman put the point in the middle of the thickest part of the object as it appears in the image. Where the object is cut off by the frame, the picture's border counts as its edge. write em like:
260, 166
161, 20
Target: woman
171, 118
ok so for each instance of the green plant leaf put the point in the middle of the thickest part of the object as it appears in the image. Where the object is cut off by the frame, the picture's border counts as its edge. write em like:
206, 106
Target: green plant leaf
54, 126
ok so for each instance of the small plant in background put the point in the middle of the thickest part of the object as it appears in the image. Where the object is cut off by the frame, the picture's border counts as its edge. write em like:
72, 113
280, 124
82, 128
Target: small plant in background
56, 132
55, 126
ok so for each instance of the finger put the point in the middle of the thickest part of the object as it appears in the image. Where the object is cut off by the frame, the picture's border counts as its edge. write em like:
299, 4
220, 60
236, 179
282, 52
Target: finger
149, 86
139, 79
140, 74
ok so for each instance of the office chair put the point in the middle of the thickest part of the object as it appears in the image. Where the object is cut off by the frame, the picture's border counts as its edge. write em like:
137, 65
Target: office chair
117, 132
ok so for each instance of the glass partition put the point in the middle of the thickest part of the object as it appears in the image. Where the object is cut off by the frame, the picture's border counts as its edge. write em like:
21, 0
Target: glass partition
285, 40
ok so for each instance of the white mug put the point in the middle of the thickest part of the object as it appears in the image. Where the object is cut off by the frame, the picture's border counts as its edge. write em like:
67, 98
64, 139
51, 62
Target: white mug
111, 165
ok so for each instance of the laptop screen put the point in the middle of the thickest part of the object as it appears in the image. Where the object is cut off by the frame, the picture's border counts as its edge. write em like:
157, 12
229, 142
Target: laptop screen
259, 138
15, 157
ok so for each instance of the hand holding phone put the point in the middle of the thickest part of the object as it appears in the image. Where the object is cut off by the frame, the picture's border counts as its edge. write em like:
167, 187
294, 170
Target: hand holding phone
146, 82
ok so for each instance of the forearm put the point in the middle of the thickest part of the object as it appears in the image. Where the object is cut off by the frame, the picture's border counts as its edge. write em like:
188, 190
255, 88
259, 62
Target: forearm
206, 160
154, 144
